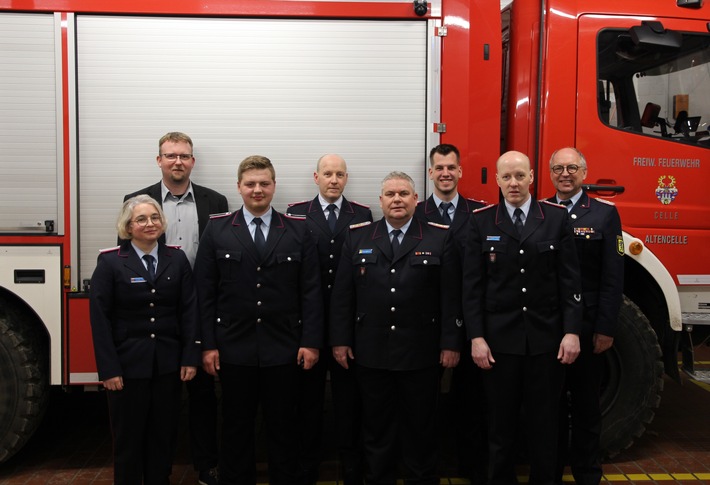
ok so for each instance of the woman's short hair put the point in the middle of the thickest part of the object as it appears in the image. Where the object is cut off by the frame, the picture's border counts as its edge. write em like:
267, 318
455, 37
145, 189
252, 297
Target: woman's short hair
124, 218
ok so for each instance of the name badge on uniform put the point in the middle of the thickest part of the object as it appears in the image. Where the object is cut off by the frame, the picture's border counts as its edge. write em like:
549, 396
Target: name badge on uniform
139, 279
492, 238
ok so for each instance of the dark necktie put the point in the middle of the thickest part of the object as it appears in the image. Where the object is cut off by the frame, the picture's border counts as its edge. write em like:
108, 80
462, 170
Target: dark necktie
445, 212
518, 216
259, 240
150, 266
395, 240
567, 203
332, 218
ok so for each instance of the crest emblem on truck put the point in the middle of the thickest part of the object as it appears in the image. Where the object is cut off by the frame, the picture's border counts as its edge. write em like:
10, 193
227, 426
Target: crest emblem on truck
666, 191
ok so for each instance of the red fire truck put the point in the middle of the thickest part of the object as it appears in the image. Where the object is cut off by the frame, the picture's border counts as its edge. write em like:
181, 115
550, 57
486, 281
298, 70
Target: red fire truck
87, 87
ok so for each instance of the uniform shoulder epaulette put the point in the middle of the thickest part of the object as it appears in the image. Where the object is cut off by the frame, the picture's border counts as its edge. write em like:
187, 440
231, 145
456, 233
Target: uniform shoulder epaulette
173, 246
440, 226
295, 217
217, 216
479, 201
481, 209
604, 201
553, 204
108, 250
359, 204
360, 224
291, 204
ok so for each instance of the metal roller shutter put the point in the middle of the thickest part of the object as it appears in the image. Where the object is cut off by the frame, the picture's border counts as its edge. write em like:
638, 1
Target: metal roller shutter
29, 141
287, 89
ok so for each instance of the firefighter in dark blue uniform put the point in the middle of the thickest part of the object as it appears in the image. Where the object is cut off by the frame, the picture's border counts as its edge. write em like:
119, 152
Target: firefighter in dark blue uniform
447, 206
261, 310
600, 247
393, 320
144, 325
523, 315
328, 217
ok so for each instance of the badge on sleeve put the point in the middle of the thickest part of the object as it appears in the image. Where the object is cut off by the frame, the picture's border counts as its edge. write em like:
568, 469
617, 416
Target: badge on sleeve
620, 245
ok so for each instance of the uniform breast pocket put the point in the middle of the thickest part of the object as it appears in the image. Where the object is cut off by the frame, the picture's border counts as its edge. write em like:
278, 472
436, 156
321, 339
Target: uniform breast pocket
588, 243
288, 266
288, 258
548, 251
229, 263
363, 266
493, 252
425, 263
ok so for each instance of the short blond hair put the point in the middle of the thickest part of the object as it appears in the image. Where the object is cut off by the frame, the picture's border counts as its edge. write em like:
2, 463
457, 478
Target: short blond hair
256, 162
175, 137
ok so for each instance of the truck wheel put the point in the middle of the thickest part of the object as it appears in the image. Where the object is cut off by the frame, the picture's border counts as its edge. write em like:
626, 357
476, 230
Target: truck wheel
24, 387
633, 380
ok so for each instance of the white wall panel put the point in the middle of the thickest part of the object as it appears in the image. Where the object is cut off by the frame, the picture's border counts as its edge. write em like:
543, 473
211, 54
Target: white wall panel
28, 126
287, 89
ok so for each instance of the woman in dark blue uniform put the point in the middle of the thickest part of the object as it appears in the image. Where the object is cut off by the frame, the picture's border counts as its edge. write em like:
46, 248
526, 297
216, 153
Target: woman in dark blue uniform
144, 326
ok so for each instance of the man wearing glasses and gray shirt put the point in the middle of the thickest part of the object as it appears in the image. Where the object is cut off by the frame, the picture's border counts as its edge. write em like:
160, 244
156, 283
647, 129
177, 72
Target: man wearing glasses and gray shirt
188, 206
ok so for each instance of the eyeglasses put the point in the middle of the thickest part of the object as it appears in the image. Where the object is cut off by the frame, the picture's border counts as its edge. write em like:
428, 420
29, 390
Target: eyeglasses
174, 156
571, 169
143, 220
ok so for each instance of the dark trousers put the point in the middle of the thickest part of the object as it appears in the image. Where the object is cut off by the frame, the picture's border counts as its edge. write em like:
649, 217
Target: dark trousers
243, 389
144, 419
347, 407
469, 420
581, 418
399, 415
203, 420
532, 383
347, 417
310, 417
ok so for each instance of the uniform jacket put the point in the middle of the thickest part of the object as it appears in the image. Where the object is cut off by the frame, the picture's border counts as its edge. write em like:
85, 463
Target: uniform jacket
521, 293
428, 210
600, 247
137, 325
207, 201
396, 313
258, 311
328, 244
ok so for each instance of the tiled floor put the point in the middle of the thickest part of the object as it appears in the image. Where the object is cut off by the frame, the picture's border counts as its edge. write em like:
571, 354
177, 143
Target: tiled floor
73, 446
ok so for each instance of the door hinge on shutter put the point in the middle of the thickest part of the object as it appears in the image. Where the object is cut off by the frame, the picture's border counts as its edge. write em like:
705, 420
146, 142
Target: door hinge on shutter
439, 127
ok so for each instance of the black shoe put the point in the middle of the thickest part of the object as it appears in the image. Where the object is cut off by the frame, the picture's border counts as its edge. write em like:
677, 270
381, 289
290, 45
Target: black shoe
208, 477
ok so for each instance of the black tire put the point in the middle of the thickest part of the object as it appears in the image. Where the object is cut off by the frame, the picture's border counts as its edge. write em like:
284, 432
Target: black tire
633, 381
24, 388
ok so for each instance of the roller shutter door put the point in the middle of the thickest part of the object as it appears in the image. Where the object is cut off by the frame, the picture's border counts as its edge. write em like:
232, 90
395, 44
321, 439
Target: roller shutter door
287, 89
